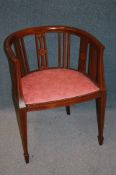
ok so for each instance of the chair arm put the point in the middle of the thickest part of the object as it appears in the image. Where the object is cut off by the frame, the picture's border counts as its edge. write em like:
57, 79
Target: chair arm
101, 78
15, 75
91, 59
20, 97
96, 65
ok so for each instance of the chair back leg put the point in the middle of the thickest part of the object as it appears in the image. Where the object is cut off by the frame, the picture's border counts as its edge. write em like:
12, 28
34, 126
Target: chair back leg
68, 110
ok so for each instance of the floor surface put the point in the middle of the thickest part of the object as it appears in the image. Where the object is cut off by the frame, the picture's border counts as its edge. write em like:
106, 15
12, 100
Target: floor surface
59, 144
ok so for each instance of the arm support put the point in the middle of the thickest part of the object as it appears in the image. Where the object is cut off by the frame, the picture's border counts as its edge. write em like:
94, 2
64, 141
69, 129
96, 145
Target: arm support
91, 60
15, 74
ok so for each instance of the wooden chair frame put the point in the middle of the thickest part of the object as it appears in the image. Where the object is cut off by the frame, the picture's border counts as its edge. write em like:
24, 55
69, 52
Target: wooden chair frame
19, 67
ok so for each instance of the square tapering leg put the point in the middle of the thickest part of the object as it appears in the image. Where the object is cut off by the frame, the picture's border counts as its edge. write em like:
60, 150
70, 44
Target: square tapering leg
100, 109
23, 132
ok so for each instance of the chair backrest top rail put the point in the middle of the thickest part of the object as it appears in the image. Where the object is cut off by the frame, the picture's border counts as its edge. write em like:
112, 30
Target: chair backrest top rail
52, 29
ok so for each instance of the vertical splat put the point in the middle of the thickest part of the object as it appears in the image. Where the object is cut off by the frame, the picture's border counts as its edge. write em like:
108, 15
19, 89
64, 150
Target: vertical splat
45, 46
22, 55
37, 50
25, 55
41, 50
68, 51
59, 49
83, 55
64, 50
92, 67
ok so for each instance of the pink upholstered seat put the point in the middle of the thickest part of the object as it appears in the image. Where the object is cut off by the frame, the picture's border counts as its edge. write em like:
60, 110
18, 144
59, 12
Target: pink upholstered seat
55, 84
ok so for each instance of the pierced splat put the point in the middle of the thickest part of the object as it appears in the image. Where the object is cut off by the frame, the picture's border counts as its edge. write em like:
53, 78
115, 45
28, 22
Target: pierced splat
42, 52
41, 49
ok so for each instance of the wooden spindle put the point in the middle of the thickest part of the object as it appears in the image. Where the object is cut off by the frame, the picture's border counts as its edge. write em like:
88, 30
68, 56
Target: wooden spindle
37, 50
83, 55
92, 66
25, 55
41, 47
19, 54
59, 49
45, 48
100, 76
68, 51
64, 49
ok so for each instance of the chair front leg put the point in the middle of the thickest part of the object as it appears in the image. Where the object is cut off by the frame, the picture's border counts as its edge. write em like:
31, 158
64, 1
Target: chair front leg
100, 109
68, 110
22, 120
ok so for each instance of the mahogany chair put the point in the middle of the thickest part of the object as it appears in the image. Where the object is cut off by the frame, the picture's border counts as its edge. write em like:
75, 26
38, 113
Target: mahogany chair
48, 87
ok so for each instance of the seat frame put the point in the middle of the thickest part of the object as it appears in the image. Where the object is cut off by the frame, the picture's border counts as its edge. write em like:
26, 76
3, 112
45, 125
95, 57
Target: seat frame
19, 67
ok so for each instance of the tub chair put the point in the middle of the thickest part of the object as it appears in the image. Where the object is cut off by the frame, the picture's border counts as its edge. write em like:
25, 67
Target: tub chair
75, 74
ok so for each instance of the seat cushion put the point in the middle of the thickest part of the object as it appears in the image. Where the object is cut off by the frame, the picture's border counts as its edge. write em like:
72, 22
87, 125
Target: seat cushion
55, 84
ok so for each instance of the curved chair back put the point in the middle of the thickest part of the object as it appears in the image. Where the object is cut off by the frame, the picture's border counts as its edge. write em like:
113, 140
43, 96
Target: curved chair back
88, 49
